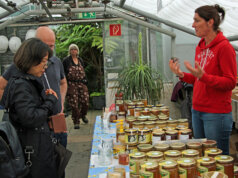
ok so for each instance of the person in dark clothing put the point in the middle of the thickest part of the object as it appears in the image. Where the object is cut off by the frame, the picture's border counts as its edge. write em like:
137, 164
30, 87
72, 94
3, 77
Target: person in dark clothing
29, 111
77, 93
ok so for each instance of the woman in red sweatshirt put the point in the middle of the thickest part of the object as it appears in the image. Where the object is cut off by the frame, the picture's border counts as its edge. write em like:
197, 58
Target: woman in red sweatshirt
213, 78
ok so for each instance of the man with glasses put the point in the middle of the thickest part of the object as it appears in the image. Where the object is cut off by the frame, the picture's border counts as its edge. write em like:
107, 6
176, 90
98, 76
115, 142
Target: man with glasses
54, 77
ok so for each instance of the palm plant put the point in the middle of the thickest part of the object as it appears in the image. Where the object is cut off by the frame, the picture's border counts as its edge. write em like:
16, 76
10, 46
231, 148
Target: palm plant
139, 80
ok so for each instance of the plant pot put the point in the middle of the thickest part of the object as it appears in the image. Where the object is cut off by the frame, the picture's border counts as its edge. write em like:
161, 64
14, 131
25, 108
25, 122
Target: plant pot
98, 102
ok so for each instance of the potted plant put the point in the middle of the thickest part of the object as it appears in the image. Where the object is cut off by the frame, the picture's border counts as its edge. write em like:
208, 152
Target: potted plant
98, 100
139, 81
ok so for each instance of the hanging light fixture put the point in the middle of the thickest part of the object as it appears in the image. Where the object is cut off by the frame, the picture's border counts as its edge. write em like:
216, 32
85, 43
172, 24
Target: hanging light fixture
30, 34
3, 44
14, 44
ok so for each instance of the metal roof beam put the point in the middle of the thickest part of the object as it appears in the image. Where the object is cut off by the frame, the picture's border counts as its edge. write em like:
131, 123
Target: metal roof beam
46, 10
6, 7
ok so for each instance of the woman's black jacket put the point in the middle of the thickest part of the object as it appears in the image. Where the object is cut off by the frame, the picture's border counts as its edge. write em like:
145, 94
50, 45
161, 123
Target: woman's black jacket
28, 113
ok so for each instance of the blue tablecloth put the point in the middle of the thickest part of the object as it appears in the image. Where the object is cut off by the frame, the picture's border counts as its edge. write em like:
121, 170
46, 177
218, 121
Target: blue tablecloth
94, 169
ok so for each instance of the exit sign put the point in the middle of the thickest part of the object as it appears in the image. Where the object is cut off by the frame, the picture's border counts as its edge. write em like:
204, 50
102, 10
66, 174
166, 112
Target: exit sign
87, 15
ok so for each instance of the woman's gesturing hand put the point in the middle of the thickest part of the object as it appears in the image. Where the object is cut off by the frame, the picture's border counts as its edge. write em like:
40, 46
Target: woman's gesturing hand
197, 72
175, 68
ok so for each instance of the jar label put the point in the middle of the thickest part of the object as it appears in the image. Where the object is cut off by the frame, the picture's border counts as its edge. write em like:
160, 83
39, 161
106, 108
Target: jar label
164, 173
202, 170
131, 138
146, 174
117, 108
144, 138
168, 137
132, 167
183, 137
220, 168
137, 114
182, 173
156, 139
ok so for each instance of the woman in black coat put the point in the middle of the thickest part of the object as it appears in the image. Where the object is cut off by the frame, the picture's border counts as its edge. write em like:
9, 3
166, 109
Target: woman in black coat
28, 111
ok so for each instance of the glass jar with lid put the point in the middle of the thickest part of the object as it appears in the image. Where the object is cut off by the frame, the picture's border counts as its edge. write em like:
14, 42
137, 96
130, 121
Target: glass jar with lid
161, 147
184, 122
136, 159
172, 154
138, 125
177, 146
190, 153
163, 117
120, 106
150, 124
165, 110
121, 115
171, 135
185, 134
155, 111
142, 118
208, 144
149, 169
155, 156
130, 120
144, 136
225, 164
130, 110
145, 112
161, 124
196, 146
145, 147
212, 152
212, 174
137, 112
172, 123
168, 168
187, 167
158, 135
131, 137
205, 164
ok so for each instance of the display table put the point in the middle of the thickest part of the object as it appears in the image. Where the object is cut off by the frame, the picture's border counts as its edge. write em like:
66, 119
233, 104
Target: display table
95, 169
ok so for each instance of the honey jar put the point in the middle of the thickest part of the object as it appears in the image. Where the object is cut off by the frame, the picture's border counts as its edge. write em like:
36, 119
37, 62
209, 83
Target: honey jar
145, 147
172, 123
164, 110
138, 125
144, 101
225, 164
196, 146
162, 147
157, 135
171, 134
121, 115
131, 149
185, 134
137, 112
154, 112
130, 110
190, 153
131, 137
149, 169
168, 168
208, 144
159, 105
163, 117
212, 152
184, 122
172, 154
155, 156
120, 106
145, 112
152, 118
161, 124
136, 159
130, 120
140, 104
120, 136
144, 136
177, 146
150, 124
205, 164
117, 149
142, 118
212, 174
235, 171
120, 170
187, 167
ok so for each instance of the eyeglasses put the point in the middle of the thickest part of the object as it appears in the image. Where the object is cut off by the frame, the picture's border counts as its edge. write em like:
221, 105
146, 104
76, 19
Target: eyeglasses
46, 65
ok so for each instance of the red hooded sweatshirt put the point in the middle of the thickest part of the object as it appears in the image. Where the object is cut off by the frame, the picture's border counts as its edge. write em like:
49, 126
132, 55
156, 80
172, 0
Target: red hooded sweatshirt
212, 92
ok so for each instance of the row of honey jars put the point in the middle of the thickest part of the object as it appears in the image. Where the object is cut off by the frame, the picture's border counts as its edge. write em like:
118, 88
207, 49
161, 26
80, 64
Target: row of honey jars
182, 167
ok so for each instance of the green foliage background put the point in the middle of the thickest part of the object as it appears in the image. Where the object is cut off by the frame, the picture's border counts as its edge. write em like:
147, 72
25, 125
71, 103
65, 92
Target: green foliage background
89, 39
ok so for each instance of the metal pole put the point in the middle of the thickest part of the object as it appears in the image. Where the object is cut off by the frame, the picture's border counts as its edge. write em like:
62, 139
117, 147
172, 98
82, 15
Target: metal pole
5, 6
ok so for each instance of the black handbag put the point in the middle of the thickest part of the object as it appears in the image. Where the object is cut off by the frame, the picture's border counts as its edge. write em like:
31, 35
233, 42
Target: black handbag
63, 156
